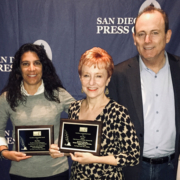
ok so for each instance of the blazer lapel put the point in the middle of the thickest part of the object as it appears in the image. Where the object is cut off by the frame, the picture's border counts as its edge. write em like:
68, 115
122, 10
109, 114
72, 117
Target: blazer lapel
135, 87
175, 74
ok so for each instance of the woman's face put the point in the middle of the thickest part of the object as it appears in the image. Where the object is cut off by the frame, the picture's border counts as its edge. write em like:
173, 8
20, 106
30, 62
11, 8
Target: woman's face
31, 69
94, 81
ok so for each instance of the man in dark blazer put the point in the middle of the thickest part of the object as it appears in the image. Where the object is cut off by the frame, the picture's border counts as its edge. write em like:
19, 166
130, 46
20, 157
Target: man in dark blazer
132, 85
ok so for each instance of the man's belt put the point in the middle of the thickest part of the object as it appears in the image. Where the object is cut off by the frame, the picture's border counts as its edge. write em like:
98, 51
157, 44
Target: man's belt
160, 160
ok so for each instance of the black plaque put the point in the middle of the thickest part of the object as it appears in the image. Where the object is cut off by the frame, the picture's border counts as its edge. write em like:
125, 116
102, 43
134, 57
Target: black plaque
34, 140
80, 136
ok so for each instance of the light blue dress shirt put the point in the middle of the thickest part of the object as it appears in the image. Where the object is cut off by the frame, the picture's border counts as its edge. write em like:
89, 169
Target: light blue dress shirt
158, 110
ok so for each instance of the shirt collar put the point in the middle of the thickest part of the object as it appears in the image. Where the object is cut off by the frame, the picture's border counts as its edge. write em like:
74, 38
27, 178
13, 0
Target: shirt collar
142, 66
39, 91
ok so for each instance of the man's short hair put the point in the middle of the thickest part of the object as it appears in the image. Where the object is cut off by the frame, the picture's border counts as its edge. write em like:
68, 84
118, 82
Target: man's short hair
151, 9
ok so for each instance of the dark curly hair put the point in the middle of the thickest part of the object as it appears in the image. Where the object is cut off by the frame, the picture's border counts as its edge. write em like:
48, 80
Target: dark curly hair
50, 78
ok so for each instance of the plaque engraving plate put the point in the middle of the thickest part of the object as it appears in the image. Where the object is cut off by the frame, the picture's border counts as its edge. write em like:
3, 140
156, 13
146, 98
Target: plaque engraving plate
80, 136
34, 140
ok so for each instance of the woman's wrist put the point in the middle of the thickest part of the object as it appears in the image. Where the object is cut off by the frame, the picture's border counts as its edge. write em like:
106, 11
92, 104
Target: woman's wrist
1, 153
96, 159
110, 159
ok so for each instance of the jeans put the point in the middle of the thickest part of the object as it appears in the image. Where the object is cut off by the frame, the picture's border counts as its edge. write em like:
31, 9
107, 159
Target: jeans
165, 171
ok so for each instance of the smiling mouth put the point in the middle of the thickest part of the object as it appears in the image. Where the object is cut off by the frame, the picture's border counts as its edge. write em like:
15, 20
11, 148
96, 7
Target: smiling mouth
32, 75
92, 89
148, 48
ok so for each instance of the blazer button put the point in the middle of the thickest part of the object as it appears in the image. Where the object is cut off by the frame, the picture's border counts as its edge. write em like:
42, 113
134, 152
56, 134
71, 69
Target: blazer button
141, 135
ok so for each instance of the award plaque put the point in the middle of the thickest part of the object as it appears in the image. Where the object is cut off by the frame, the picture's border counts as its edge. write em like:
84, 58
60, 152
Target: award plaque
80, 136
34, 140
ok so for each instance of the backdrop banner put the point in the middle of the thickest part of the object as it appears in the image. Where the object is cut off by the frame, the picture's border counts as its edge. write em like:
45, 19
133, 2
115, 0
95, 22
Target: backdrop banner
67, 29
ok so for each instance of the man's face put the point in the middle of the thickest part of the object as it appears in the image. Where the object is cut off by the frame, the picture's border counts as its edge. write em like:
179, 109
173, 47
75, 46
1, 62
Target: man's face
150, 38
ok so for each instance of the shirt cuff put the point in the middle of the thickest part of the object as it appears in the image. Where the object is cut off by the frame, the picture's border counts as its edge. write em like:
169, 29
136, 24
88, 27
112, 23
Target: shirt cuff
3, 141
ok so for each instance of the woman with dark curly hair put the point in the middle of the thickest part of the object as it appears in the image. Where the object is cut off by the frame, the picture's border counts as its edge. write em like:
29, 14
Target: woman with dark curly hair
34, 95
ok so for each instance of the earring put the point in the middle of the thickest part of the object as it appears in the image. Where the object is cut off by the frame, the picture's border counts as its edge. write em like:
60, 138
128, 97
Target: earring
106, 91
82, 91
